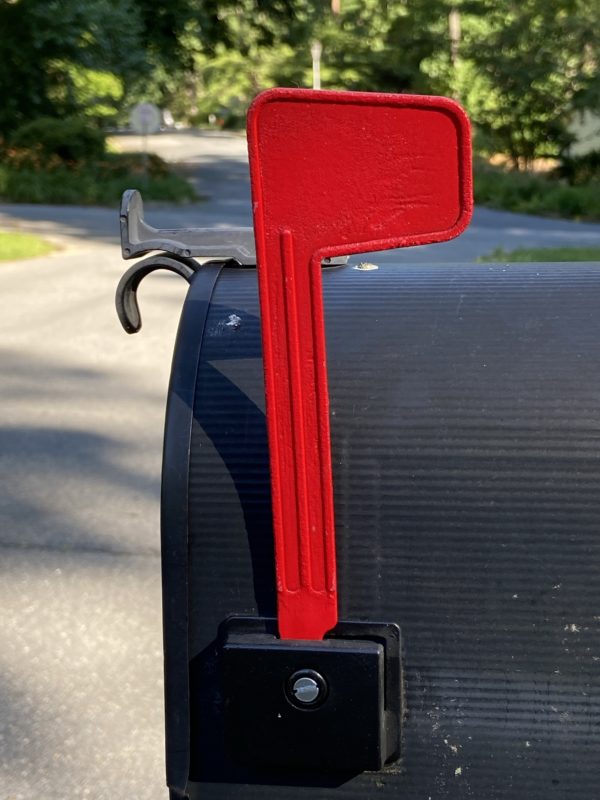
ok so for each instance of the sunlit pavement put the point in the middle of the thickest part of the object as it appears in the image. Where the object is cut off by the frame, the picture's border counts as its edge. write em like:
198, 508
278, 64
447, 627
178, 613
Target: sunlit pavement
82, 413
80, 630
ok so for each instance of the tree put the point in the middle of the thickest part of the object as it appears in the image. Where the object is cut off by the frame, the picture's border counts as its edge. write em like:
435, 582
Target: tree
244, 46
525, 66
55, 53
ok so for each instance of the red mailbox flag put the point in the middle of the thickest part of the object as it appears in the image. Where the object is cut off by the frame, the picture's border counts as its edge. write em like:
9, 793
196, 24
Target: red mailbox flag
333, 173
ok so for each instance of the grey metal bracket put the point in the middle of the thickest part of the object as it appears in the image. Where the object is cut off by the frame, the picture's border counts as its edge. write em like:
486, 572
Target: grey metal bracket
227, 244
138, 238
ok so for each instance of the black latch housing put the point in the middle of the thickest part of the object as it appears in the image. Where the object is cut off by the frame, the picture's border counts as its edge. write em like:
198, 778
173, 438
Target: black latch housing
317, 705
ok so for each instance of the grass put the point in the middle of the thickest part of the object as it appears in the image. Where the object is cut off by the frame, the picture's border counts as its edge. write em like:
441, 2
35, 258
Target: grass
543, 254
541, 194
99, 183
22, 245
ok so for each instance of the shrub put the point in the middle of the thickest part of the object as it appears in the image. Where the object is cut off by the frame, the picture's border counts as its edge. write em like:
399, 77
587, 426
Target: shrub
529, 193
69, 140
99, 183
580, 170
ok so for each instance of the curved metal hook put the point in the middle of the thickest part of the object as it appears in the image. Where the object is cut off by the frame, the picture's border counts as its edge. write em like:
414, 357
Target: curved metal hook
126, 302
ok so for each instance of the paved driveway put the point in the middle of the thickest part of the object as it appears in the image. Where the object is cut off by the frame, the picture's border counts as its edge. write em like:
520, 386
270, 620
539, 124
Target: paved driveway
82, 413
217, 166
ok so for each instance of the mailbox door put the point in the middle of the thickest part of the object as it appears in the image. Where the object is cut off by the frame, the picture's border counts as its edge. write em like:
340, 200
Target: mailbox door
465, 420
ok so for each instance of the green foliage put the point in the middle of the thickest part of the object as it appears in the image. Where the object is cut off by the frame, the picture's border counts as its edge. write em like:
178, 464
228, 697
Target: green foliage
529, 193
520, 68
231, 80
45, 42
524, 67
580, 170
96, 93
68, 140
100, 182
370, 44
542, 254
15, 246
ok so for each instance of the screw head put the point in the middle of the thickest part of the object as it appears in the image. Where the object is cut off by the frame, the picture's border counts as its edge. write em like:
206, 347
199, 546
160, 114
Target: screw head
306, 689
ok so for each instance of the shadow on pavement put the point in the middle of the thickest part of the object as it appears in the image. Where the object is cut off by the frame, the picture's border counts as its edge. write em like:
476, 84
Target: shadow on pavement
59, 489
80, 453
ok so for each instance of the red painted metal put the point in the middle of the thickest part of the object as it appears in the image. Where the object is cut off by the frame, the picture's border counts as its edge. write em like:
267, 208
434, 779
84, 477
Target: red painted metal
333, 173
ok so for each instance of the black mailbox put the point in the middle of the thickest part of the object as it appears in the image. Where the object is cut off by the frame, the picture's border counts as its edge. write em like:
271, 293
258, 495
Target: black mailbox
465, 449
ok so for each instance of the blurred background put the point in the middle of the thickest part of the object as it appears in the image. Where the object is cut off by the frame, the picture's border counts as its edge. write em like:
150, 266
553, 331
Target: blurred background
527, 72
98, 96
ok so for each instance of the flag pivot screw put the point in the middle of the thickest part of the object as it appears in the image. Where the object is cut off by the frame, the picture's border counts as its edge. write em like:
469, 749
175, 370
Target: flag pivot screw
306, 689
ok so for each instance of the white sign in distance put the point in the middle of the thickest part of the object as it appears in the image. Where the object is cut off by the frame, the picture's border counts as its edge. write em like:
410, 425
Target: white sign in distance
145, 118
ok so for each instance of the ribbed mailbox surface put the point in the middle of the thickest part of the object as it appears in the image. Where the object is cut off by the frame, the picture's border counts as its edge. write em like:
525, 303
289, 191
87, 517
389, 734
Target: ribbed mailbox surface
466, 466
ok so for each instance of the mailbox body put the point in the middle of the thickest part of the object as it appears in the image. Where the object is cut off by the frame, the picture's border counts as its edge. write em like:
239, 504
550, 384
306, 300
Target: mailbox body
465, 420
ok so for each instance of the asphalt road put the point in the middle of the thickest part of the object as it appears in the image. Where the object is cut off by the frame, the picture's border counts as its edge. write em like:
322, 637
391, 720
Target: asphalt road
82, 412
217, 166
